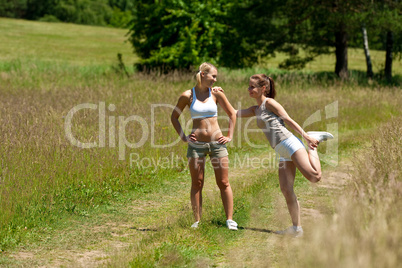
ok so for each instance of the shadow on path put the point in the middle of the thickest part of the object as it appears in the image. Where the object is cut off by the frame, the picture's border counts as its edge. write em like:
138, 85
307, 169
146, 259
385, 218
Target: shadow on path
257, 229
144, 229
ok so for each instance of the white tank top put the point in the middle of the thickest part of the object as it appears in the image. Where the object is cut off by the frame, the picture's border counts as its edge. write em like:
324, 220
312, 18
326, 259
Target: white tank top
200, 109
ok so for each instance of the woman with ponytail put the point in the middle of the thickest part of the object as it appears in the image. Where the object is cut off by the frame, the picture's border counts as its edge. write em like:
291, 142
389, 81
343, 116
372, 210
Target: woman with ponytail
271, 118
206, 138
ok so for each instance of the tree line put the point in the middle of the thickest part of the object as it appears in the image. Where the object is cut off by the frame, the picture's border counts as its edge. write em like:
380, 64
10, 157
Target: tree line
177, 34
115, 13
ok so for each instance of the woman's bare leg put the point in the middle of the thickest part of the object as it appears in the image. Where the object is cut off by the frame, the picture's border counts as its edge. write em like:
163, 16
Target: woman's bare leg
308, 164
287, 174
221, 168
197, 167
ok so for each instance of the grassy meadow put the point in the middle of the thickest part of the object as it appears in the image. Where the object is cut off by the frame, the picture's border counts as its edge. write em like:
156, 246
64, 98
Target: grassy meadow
125, 201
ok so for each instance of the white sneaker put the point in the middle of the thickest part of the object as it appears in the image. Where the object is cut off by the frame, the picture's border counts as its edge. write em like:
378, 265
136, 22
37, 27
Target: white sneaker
320, 135
295, 231
232, 225
195, 224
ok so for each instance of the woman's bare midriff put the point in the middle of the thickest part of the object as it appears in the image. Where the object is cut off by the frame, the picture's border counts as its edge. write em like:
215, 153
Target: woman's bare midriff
206, 129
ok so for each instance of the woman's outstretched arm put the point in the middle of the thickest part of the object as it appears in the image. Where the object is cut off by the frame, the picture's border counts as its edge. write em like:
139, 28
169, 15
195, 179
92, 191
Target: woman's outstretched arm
249, 112
278, 109
242, 113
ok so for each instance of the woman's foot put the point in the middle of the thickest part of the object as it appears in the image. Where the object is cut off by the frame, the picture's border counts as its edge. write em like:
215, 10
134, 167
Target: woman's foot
195, 224
232, 225
320, 135
295, 231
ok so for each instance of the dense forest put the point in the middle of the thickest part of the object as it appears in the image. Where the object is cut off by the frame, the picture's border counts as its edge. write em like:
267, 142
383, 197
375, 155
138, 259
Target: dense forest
115, 13
175, 34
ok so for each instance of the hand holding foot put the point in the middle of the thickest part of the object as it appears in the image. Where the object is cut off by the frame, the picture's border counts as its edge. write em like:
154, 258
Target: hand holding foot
320, 135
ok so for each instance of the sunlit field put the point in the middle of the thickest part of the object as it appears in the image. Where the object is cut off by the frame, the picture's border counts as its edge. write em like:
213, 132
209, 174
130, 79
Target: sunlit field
62, 43
50, 186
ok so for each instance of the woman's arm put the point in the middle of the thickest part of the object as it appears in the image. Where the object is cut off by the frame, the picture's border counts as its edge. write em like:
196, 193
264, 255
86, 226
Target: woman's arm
242, 113
230, 111
249, 112
277, 109
181, 104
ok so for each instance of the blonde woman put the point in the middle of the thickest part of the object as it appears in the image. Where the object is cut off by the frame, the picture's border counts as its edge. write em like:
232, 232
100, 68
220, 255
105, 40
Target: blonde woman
206, 138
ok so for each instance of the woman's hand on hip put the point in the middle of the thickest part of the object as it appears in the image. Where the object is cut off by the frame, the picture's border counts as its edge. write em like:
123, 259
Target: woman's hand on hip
191, 138
224, 140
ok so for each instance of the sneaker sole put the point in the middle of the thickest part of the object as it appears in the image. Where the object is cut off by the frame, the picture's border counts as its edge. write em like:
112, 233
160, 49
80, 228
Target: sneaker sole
325, 135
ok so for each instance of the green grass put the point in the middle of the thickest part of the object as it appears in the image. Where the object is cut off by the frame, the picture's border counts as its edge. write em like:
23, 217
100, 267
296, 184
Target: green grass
50, 189
77, 45
177, 245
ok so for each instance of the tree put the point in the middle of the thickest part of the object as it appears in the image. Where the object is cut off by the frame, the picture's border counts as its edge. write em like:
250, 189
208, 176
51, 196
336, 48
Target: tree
176, 34
254, 31
382, 18
341, 50
388, 56
319, 25
367, 53
167, 35
13, 9
388, 20
95, 12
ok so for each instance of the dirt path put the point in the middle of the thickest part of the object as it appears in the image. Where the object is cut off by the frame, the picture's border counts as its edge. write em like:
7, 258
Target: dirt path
260, 246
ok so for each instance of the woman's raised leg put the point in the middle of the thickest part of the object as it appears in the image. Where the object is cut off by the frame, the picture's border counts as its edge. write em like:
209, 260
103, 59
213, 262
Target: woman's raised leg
308, 164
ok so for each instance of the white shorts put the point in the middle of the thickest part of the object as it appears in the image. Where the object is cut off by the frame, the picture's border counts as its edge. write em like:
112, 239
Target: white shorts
287, 147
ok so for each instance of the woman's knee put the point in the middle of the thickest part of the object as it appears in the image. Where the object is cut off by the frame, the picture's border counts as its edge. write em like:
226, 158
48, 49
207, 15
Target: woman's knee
197, 184
223, 185
315, 177
288, 192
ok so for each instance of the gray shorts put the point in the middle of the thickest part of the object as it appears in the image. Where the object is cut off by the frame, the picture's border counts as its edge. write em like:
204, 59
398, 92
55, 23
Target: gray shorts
200, 149
287, 147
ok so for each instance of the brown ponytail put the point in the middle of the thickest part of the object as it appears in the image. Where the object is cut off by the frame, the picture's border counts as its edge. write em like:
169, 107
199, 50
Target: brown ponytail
272, 92
268, 82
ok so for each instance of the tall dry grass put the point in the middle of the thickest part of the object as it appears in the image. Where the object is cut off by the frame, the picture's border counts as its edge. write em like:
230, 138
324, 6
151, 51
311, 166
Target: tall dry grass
43, 176
366, 230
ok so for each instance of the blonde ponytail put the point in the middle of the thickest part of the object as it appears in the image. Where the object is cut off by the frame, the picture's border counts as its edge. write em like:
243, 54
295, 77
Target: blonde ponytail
204, 68
198, 77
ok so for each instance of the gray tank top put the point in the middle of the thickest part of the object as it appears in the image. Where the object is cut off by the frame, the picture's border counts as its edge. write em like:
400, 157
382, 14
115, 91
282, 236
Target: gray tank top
272, 125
